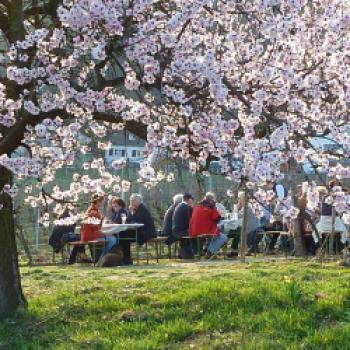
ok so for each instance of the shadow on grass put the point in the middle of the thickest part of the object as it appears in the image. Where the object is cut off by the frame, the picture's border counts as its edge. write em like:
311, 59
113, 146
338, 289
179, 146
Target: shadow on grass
256, 308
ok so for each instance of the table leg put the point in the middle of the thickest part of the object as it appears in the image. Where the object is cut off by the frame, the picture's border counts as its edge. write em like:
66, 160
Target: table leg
137, 250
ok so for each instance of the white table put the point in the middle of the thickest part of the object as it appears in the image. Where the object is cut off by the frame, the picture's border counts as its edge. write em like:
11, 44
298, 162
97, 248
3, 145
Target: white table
229, 224
111, 229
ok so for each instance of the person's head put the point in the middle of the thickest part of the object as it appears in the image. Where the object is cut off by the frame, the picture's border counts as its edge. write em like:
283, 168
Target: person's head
209, 197
177, 198
117, 203
188, 198
97, 200
135, 201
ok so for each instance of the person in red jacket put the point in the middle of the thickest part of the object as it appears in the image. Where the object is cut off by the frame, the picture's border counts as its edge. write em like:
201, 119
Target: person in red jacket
91, 229
204, 221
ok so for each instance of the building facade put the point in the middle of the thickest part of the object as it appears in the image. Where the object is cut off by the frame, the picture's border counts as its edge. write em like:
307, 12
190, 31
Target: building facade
125, 145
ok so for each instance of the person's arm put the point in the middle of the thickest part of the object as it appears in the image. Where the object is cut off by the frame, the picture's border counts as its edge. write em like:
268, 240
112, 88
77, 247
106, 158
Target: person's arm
216, 217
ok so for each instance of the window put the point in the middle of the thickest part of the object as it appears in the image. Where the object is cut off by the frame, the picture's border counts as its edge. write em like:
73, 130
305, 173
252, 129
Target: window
110, 152
136, 153
119, 152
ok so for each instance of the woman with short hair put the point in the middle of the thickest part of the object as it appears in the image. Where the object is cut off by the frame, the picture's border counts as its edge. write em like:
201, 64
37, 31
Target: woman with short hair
204, 221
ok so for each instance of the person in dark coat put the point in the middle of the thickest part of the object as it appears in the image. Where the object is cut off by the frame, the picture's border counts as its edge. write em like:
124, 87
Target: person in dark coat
167, 228
181, 222
62, 234
55, 240
138, 213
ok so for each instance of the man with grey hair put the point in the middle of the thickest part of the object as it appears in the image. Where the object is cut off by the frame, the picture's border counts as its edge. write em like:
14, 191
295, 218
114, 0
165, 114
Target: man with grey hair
168, 218
180, 223
138, 213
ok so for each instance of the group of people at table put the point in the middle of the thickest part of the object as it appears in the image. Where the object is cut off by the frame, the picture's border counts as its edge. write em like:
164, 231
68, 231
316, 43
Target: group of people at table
185, 222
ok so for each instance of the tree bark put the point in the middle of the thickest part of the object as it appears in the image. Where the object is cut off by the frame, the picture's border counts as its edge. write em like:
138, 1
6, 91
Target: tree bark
244, 232
11, 295
299, 245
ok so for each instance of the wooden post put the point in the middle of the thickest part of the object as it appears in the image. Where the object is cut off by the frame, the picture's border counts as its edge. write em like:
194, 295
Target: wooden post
299, 245
244, 232
331, 237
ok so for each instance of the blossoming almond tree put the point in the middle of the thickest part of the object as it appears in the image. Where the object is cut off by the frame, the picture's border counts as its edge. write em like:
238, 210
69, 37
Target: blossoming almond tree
251, 80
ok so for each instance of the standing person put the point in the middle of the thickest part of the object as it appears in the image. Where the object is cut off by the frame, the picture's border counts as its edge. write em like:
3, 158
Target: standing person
91, 232
138, 213
180, 224
279, 224
168, 217
116, 210
204, 220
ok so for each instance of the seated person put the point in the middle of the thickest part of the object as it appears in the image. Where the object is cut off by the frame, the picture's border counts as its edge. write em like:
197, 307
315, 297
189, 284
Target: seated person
64, 233
168, 218
180, 224
325, 224
92, 231
59, 230
117, 210
204, 220
280, 223
138, 213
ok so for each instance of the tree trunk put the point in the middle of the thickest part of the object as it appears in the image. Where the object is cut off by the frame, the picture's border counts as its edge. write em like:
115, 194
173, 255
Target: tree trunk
244, 232
11, 295
299, 245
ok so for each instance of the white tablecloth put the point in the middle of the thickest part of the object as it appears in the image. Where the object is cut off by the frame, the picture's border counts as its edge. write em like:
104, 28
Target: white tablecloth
111, 229
229, 224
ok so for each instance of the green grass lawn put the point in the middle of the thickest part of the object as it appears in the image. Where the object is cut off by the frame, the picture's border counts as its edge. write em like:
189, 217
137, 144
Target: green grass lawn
276, 305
